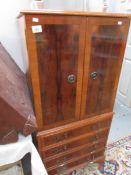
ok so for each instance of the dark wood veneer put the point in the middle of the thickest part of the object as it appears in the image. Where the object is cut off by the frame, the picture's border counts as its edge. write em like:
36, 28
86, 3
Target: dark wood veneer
74, 112
104, 55
55, 53
57, 49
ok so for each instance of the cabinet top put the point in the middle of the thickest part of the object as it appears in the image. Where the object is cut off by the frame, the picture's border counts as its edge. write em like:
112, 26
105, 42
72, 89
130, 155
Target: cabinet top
73, 13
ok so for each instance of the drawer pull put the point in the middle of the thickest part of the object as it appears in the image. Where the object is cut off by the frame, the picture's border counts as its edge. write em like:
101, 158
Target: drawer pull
61, 162
65, 147
95, 127
65, 135
59, 150
95, 147
61, 169
97, 137
62, 137
58, 138
93, 158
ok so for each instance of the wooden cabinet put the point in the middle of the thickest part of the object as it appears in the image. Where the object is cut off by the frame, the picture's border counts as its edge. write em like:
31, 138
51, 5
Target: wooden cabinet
75, 60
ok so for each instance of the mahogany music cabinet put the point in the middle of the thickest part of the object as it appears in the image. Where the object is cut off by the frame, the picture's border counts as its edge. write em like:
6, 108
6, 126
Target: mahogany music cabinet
74, 65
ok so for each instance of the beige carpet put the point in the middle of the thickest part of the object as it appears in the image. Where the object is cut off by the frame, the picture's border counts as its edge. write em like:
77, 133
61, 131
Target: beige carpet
118, 160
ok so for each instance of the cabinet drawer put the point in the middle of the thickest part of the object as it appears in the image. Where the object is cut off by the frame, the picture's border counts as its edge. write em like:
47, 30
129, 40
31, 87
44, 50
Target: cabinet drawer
82, 150
77, 132
59, 169
100, 137
86, 126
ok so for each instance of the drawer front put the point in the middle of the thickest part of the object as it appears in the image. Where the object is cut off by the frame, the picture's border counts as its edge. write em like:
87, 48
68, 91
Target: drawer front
77, 132
63, 168
91, 140
93, 126
81, 151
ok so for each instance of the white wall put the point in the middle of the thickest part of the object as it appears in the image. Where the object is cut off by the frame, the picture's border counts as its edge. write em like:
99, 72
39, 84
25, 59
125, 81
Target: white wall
124, 88
64, 4
120, 6
9, 29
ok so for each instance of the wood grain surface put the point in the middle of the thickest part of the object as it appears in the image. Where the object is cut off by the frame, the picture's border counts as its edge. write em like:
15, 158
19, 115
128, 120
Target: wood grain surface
74, 13
55, 54
104, 55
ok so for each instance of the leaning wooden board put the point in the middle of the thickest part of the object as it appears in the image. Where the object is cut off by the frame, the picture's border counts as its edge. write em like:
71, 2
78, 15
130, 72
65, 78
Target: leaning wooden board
16, 109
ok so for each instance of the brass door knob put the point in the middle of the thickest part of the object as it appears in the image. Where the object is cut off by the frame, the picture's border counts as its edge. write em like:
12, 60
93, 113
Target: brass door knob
94, 75
71, 78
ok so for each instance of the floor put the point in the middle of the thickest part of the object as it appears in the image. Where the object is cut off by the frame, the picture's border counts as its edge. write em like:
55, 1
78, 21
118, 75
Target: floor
121, 124
15, 170
121, 127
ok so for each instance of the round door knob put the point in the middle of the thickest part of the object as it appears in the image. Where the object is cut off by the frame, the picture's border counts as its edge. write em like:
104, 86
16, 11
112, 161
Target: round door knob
71, 78
94, 75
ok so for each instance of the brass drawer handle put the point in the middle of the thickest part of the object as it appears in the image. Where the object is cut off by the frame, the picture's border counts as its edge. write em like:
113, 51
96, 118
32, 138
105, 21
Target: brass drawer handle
95, 127
91, 157
65, 135
61, 137
57, 138
59, 150
61, 169
95, 147
64, 148
97, 137
61, 162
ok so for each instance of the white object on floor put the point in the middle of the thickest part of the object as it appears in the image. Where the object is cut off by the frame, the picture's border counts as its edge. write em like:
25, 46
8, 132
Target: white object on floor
14, 152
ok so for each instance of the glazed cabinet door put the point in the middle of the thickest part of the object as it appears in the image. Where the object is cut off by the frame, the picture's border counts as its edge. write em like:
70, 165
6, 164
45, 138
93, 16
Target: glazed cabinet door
105, 44
56, 53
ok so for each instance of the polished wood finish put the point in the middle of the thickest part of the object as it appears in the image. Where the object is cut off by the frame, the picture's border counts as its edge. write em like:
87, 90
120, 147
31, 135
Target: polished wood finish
74, 113
70, 131
76, 165
74, 147
84, 137
93, 157
59, 55
74, 13
72, 156
90, 140
104, 56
